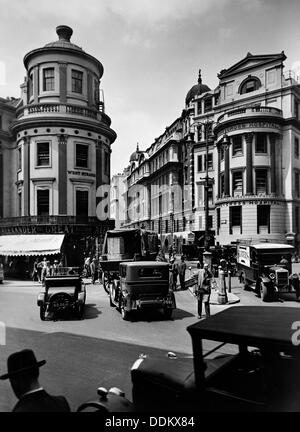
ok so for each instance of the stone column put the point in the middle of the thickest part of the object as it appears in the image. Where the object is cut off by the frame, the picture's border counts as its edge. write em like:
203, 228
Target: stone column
63, 82
219, 172
36, 84
62, 175
226, 173
1, 185
99, 167
272, 140
249, 164
26, 155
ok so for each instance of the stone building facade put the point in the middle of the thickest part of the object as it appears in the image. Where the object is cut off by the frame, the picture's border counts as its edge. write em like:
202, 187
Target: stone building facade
58, 147
253, 183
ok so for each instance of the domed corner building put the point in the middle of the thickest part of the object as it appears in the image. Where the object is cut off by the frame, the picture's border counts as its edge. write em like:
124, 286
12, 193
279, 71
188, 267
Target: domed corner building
60, 146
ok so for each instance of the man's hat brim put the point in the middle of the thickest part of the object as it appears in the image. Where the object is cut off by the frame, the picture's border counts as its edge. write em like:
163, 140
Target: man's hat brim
18, 371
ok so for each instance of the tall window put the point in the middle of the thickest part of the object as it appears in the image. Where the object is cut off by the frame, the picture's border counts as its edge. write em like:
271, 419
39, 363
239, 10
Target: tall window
43, 154
261, 143
20, 203
48, 79
235, 218
297, 184
210, 161
237, 183
199, 163
82, 203
218, 220
210, 195
210, 222
296, 148
208, 104
249, 86
263, 218
199, 107
261, 181
237, 145
296, 108
106, 163
77, 81
30, 85
43, 202
82, 156
19, 158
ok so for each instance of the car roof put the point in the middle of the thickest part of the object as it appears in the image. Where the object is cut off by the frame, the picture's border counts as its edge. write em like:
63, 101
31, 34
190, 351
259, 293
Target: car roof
272, 246
145, 264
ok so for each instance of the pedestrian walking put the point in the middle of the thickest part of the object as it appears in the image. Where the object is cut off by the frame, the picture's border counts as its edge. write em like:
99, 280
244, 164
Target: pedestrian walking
181, 268
204, 290
43, 270
35, 270
94, 270
294, 280
23, 373
173, 274
87, 266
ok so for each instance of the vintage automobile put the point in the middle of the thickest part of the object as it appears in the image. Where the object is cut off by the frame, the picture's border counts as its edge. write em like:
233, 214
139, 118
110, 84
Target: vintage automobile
252, 365
1, 273
142, 285
64, 293
261, 268
126, 244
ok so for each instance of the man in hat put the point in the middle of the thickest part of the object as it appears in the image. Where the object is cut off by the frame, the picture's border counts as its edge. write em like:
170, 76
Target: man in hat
181, 269
23, 373
204, 290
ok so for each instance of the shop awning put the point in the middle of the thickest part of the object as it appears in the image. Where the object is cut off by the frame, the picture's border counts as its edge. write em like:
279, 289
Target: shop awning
27, 244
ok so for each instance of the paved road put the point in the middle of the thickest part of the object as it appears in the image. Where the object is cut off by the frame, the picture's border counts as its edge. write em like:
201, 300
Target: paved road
99, 350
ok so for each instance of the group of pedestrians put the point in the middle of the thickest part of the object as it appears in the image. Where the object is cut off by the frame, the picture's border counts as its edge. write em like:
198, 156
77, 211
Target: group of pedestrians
92, 269
44, 268
177, 269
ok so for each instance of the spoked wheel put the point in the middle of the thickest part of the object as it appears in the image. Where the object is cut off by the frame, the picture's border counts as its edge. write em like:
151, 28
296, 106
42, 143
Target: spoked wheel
264, 294
42, 312
111, 296
124, 312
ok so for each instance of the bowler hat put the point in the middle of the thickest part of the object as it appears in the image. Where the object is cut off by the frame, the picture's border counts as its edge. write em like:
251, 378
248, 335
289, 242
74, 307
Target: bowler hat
21, 361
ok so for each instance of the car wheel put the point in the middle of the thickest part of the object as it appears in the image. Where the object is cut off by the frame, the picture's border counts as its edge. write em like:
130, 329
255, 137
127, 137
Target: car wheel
111, 296
124, 312
42, 312
264, 292
80, 311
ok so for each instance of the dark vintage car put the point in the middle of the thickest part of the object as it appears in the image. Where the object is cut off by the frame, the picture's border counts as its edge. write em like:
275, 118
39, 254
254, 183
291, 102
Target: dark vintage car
140, 286
245, 359
265, 268
64, 293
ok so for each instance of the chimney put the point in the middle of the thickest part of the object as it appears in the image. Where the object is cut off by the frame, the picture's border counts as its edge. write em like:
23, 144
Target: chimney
64, 32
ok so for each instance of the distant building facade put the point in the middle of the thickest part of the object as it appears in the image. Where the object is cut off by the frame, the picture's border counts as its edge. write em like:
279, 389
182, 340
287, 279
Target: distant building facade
117, 199
254, 188
56, 151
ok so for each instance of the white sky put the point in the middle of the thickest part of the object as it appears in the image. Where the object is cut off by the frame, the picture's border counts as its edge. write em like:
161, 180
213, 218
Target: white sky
151, 50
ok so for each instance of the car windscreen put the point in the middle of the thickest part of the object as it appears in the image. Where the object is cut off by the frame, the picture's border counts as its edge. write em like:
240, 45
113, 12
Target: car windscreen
149, 272
272, 258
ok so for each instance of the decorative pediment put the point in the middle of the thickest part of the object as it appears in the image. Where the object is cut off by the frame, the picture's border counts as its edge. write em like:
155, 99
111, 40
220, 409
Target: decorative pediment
250, 62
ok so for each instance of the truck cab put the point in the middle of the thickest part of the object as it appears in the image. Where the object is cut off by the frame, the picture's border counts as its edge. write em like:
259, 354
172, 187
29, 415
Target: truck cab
265, 268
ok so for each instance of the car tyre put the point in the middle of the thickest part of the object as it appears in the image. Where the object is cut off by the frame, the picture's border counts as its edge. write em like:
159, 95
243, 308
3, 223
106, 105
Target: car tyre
124, 312
42, 312
264, 292
111, 303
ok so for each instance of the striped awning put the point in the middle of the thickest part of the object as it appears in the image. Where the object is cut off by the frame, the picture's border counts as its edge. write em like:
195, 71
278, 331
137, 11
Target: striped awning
31, 244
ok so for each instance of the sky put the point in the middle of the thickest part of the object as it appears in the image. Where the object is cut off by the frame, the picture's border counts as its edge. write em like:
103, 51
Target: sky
151, 51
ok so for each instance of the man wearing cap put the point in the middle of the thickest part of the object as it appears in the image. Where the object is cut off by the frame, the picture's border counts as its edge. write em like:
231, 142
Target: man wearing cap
204, 289
23, 373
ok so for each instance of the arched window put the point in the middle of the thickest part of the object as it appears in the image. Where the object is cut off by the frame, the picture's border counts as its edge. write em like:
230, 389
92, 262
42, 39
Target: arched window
249, 85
